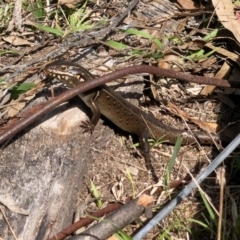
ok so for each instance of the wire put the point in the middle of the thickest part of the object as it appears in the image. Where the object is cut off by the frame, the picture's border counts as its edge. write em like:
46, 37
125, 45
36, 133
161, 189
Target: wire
186, 191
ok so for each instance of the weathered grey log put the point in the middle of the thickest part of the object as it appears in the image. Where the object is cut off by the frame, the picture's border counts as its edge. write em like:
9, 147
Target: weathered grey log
41, 174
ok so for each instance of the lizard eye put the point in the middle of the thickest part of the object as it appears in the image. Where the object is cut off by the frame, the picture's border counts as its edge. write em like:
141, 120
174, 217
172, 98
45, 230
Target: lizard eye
63, 68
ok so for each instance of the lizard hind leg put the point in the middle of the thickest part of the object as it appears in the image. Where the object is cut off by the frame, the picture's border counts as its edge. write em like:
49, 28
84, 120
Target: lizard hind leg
145, 149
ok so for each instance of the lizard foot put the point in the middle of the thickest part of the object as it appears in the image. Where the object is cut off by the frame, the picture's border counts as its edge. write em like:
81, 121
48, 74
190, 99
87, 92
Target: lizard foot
87, 126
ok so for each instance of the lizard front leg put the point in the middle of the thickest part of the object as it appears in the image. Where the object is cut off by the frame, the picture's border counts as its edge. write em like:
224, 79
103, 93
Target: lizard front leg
90, 101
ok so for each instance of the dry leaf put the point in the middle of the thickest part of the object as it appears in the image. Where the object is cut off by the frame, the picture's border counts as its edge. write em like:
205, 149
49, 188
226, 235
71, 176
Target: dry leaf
69, 3
14, 110
225, 12
117, 189
5, 99
212, 127
133, 171
188, 4
113, 237
230, 55
16, 41
220, 74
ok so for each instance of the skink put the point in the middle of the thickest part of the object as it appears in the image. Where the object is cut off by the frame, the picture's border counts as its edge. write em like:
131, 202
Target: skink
103, 100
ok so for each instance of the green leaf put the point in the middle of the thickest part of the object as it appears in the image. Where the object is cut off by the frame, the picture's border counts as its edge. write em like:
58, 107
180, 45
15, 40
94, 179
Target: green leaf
208, 207
96, 194
166, 233
19, 89
116, 45
78, 18
137, 52
58, 28
129, 176
201, 55
210, 53
157, 42
83, 27
211, 35
9, 52
143, 34
48, 29
25, 86
172, 160
156, 55
197, 55
133, 31
201, 224
121, 235
38, 10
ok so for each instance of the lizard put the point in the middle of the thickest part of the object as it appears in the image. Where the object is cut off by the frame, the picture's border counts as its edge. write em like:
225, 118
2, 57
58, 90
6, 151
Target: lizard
103, 100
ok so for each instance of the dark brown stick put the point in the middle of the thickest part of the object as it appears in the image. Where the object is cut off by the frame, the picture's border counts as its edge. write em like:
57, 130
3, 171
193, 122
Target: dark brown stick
22, 123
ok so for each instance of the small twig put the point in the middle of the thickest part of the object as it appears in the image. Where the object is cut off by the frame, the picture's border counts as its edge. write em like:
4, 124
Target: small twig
4, 216
222, 182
